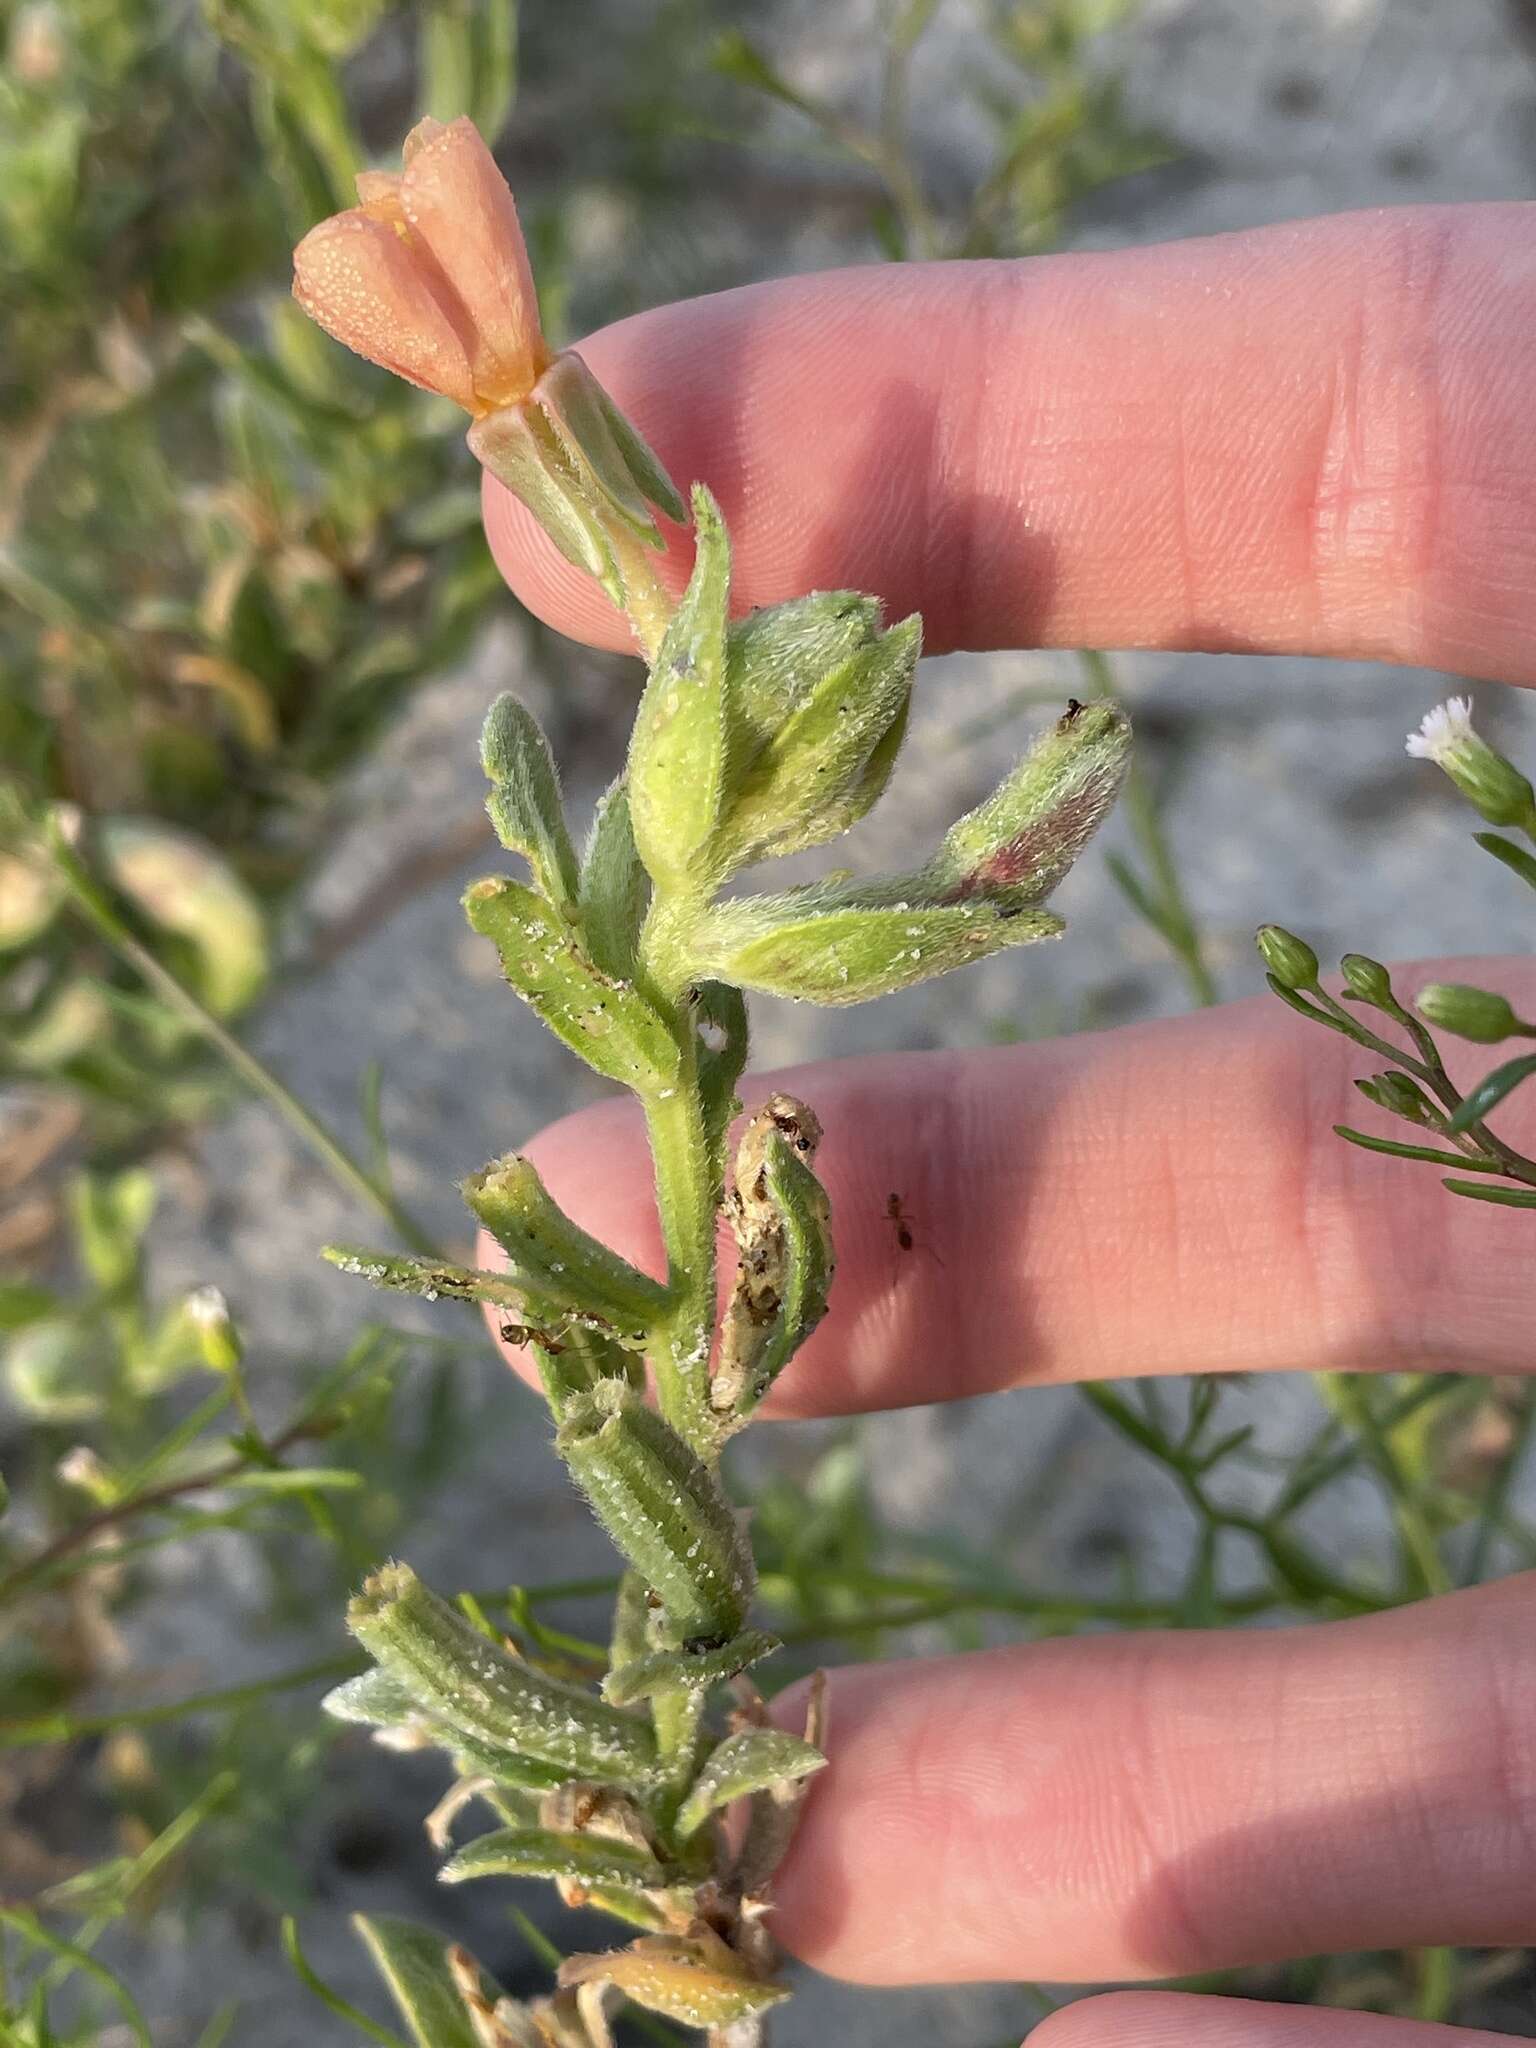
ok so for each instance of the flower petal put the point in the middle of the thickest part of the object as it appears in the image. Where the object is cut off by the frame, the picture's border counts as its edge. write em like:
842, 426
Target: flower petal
360, 280
457, 201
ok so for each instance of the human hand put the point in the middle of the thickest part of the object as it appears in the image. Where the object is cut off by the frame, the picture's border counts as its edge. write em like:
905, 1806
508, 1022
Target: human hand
1313, 439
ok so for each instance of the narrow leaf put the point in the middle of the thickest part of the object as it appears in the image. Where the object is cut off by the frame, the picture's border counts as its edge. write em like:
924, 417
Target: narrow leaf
1437, 1157
1491, 1091
412, 1962
1506, 1198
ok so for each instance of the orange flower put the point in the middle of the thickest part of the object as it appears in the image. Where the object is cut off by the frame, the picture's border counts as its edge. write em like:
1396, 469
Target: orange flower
429, 274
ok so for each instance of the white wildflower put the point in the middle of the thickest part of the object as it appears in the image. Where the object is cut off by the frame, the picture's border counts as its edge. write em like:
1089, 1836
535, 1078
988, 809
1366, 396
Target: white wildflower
1448, 726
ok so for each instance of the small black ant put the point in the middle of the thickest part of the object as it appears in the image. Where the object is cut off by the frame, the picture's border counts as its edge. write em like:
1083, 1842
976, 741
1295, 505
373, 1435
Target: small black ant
901, 1223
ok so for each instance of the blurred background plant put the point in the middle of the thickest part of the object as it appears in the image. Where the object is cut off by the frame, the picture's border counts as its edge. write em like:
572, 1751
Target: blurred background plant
229, 557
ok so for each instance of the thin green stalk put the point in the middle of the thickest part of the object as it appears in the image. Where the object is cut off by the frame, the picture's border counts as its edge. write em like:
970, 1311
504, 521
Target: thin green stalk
96, 909
1168, 905
40, 1728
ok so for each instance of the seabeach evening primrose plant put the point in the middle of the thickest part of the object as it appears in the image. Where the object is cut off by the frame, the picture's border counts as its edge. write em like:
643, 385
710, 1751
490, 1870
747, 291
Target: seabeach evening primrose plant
755, 737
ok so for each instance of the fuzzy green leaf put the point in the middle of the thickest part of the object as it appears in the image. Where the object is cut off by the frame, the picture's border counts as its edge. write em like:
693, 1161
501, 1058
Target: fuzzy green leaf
585, 1859
524, 803
614, 887
680, 752
720, 1018
559, 1261
605, 1019
665, 1670
663, 1509
816, 946
751, 1761
496, 1700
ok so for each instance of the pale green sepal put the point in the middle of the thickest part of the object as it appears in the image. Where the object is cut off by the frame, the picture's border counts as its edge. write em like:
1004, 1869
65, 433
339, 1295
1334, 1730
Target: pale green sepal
751, 1761
644, 464
524, 803
809, 784
461, 1679
413, 1963
604, 1018
585, 1859
665, 1670
777, 655
1019, 844
520, 448
614, 889
579, 411
375, 1699
663, 1509
680, 751
558, 1259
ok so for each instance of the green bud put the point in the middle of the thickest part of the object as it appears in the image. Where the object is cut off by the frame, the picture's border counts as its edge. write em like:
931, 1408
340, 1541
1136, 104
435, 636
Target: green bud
583, 1859
826, 945
1290, 960
1475, 1013
680, 751
1367, 980
475, 1689
752, 1761
666, 1670
524, 804
605, 1019
1489, 782
777, 656
811, 780
556, 1259
1017, 846
218, 1341
614, 887
376, 1700
1399, 1094
664, 1510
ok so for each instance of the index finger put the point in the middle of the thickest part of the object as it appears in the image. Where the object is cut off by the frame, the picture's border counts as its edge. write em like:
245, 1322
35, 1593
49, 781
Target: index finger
1314, 439
1164, 1197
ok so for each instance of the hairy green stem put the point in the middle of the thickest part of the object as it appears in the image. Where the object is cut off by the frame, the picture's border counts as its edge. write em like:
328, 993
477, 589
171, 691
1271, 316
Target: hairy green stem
687, 1201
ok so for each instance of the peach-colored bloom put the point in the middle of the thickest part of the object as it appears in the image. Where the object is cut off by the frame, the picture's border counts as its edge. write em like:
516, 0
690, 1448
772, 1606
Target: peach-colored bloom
429, 275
